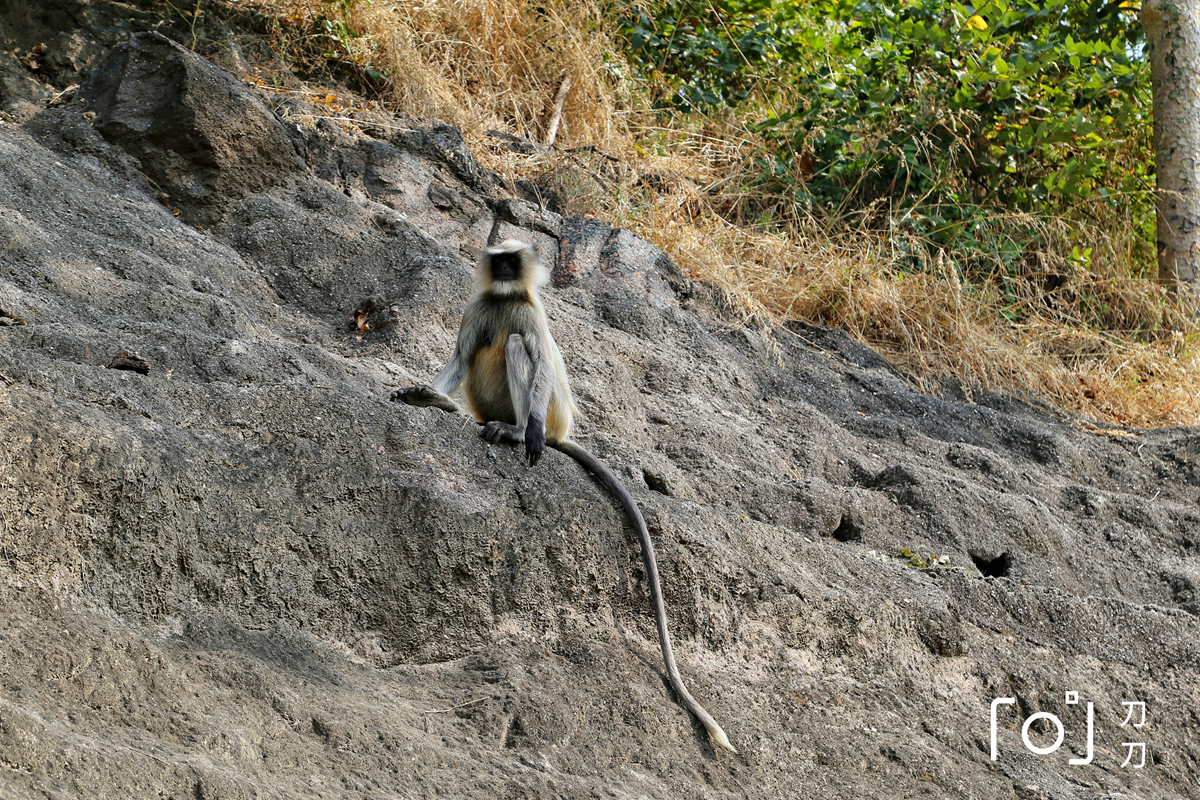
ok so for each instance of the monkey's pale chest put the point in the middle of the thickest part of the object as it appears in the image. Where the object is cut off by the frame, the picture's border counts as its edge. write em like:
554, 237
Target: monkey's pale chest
487, 384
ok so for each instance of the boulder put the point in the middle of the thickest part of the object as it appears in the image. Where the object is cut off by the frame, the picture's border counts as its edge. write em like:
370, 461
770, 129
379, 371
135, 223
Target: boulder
199, 134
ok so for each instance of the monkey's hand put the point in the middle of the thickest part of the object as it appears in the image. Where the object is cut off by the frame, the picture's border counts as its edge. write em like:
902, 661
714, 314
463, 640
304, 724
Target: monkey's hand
424, 396
535, 439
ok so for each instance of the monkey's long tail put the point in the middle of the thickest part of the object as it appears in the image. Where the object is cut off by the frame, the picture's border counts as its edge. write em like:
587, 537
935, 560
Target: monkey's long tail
614, 486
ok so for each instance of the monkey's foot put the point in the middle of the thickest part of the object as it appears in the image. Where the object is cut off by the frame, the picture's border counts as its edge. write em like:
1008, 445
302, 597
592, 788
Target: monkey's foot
496, 432
424, 396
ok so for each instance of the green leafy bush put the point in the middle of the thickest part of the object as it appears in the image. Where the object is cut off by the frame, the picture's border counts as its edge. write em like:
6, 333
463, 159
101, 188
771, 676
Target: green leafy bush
701, 54
924, 115
1021, 100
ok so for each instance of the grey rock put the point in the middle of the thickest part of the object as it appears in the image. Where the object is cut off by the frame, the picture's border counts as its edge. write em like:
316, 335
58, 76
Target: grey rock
203, 137
245, 573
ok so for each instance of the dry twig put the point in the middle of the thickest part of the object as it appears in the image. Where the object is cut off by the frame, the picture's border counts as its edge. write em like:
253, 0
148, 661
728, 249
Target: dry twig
556, 117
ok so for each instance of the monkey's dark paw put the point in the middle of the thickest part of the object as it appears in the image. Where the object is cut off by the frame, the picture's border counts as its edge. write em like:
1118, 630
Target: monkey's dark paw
424, 396
496, 432
413, 395
535, 443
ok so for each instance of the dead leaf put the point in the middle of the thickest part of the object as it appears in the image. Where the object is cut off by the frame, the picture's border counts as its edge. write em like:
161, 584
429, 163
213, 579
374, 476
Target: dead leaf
33, 59
359, 320
8, 318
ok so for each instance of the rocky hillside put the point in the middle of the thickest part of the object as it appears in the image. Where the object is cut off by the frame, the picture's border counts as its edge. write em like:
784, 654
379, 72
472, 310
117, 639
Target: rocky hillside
232, 569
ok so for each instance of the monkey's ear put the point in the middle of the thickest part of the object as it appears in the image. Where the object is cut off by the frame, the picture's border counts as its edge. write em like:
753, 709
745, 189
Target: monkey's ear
535, 272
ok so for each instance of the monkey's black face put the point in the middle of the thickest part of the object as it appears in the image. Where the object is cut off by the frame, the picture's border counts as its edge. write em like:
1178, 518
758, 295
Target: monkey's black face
506, 266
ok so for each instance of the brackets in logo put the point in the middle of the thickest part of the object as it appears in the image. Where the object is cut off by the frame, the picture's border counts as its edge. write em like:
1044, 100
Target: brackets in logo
1072, 698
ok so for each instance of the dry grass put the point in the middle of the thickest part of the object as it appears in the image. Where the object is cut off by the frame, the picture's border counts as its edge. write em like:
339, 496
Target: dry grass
478, 64
1086, 336
931, 324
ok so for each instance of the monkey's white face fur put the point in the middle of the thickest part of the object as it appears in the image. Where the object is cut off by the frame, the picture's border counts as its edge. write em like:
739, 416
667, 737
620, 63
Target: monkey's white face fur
530, 274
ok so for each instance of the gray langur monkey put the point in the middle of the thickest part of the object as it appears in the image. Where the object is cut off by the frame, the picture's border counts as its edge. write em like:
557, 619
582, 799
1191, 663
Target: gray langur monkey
516, 387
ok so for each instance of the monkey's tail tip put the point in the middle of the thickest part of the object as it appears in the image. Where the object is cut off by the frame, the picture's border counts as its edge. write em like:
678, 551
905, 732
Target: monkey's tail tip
720, 738
715, 732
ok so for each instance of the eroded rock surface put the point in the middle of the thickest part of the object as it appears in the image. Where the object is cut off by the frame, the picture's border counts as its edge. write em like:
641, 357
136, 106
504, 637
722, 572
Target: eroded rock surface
245, 573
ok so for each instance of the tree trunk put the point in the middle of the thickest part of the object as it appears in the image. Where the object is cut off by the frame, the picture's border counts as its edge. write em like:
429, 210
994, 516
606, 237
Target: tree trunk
1173, 32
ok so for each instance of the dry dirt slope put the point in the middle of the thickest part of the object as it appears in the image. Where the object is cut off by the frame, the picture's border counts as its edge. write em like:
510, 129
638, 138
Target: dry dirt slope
246, 574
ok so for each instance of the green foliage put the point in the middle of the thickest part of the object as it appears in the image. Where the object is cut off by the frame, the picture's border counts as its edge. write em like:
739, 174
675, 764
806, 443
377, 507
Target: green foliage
338, 39
335, 25
915, 559
191, 22
339, 33
1023, 101
923, 115
701, 54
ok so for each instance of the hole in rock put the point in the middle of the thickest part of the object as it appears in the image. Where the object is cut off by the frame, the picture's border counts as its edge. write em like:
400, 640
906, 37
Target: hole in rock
994, 567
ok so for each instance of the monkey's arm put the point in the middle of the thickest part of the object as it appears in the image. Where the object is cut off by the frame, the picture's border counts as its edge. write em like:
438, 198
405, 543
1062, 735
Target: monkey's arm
541, 387
436, 395
453, 373
536, 379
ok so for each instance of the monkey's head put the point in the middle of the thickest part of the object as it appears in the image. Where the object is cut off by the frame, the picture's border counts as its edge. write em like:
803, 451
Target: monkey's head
510, 267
